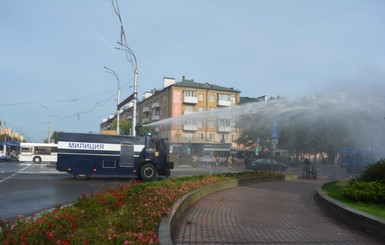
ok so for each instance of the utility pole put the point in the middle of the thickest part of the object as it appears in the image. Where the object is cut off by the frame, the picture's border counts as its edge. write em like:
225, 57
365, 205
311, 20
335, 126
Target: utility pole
132, 59
49, 124
117, 99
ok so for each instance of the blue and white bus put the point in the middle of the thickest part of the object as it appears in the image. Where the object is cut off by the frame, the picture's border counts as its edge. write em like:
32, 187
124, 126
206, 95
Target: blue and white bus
9, 150
38, 152
86, 154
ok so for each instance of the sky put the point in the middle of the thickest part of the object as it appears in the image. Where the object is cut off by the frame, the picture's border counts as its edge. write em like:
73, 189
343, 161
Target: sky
53, 53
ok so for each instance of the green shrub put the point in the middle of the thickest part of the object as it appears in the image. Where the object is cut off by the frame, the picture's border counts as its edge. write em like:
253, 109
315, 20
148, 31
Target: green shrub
374, 172
368, 192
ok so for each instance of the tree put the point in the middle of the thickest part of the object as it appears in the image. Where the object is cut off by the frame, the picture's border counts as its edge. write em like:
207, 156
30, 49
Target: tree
124, 126
298, 132
144, 130
54, 136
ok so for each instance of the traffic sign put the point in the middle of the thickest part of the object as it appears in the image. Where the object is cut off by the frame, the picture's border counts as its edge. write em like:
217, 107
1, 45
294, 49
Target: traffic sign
274, 131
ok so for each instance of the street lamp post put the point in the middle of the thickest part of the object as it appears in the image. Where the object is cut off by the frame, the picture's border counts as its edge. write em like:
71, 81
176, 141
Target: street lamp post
49, 124
117, 99
132, 59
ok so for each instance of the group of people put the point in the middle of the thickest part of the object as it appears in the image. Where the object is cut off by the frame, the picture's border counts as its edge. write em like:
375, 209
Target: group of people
307, 169
215, 161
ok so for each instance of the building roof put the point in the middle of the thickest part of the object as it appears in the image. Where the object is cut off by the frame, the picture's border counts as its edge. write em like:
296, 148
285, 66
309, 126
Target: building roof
192, 84
245, 100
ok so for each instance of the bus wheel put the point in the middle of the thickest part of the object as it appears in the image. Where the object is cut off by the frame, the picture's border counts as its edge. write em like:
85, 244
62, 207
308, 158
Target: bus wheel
37, 160
81, 176
148, 172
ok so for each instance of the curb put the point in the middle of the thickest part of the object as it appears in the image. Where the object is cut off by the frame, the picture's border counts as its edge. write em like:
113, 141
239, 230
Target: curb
352, 217
170, 221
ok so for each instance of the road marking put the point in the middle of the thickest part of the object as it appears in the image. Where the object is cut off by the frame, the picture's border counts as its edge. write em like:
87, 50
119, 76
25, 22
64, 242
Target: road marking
21, 170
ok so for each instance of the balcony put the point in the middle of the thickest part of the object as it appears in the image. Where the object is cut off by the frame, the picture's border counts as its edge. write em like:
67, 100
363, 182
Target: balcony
190, 127
190, 100
224, 103
155, 105
224, 129
155, 117
146, 109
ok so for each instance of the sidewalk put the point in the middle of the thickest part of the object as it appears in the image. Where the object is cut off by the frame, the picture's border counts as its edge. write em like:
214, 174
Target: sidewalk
282, 212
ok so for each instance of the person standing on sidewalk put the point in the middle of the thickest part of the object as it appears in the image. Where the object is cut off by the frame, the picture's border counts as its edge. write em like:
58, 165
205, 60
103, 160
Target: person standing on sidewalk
213, 163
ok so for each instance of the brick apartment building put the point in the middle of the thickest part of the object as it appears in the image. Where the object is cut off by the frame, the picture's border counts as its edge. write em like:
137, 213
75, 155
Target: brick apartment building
181, 112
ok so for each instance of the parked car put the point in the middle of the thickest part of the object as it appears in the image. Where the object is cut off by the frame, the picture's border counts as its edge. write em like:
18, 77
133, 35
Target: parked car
265, 164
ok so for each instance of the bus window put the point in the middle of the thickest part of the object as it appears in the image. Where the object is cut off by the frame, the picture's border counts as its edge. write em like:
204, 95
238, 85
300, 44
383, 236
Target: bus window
26, 149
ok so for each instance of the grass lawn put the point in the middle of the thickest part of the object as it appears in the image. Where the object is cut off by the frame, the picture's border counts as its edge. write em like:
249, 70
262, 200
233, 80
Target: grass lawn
333, 189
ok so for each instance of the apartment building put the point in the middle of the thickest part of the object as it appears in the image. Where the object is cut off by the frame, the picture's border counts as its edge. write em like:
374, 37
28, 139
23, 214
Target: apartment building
181, 112
7, 134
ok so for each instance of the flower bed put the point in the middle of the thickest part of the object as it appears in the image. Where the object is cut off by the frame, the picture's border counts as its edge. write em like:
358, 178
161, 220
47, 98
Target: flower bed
127, 214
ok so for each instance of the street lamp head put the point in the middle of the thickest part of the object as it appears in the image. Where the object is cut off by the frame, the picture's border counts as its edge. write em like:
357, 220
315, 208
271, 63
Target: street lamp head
117, 99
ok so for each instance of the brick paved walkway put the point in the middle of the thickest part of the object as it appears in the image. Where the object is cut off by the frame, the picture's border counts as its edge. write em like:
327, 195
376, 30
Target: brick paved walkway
264, 213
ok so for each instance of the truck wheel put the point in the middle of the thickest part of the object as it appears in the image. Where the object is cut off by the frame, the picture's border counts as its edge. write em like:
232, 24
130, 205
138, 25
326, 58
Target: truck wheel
148, 172
37, 160
167, 173
81, 176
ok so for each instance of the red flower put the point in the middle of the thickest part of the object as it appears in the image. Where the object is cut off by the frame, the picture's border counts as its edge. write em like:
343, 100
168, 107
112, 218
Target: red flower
50, 234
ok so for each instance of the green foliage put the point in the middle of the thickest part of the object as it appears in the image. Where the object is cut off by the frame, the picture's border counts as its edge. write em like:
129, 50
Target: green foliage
125, 127
146, 130
55, 136
369, 186
334, 190
368, 192
374, 172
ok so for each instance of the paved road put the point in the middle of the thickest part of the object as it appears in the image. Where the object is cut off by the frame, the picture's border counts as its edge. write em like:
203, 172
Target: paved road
265, 213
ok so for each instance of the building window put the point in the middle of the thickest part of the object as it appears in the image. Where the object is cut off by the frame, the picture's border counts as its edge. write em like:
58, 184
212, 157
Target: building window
212, 137
155, 112
189, 93
225, 97
190, 122
233, 137
212, 97
189, 136
224, 122
201, 136
223, 138
201, 109
201, 97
